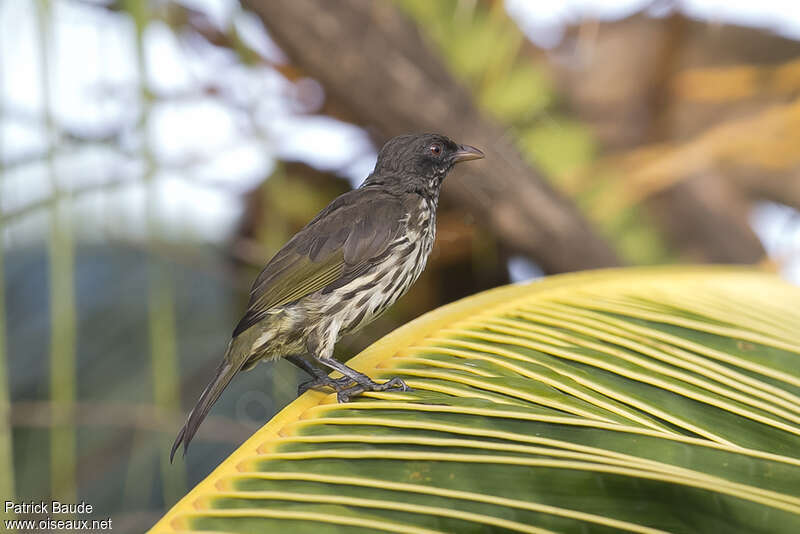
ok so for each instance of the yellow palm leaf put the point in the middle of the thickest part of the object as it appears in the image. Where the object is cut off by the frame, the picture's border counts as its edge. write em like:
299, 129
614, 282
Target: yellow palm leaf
637, 399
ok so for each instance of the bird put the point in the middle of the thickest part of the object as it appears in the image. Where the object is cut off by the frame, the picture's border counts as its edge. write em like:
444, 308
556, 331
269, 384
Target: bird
341, 271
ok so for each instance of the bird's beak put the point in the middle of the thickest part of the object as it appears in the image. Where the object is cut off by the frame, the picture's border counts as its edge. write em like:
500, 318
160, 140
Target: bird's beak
466, 153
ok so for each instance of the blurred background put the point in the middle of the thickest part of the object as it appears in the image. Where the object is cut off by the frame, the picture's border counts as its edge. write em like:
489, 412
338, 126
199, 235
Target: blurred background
154, 154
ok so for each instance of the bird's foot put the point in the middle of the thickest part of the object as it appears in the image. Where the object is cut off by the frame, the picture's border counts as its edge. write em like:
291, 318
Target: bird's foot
344, 395
337, 384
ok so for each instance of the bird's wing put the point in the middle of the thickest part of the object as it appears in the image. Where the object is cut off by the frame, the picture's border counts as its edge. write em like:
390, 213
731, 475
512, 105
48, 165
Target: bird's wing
344, 240
337, 245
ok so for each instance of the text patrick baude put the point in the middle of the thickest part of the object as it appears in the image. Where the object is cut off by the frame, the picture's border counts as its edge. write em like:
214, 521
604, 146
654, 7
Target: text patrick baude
47, 507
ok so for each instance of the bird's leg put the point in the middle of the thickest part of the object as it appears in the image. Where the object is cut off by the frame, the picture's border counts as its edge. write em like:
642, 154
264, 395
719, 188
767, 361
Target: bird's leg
306, 366
320, 378
363, 382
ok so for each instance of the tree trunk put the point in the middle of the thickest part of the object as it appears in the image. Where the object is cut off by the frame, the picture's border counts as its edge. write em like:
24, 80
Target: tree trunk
375, 65
706, 218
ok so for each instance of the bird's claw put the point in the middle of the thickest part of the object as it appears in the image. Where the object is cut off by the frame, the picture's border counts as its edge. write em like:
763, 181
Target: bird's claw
345, 395
395, 383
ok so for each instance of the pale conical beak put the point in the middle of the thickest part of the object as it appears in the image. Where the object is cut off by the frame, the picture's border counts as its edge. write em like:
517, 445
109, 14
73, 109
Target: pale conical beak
466, 153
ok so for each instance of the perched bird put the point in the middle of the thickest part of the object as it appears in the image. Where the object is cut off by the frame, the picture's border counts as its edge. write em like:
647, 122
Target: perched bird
345, 268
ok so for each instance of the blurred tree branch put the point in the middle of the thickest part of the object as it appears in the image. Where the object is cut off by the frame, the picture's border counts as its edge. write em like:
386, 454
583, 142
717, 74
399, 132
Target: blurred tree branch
702, 123
375, 65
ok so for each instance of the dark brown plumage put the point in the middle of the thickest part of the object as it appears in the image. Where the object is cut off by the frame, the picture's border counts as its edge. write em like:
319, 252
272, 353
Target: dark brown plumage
341, 271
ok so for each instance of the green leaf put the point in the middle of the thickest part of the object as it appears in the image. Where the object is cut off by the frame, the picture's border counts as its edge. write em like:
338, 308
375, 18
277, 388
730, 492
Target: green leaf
558, 145
636, 399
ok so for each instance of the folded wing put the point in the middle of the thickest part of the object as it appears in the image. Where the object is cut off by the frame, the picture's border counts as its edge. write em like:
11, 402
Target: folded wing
343, 241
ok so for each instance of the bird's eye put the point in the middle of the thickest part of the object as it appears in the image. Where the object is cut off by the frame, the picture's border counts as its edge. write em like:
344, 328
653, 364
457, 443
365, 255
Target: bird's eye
435, 149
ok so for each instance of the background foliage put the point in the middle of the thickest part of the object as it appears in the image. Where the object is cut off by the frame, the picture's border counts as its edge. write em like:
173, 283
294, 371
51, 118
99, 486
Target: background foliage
154, 154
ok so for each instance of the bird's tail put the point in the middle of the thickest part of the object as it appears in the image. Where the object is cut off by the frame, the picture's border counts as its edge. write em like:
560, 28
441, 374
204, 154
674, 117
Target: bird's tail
235, 357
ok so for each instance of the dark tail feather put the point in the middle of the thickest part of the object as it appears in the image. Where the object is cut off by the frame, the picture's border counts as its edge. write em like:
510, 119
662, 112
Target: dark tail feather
233, 361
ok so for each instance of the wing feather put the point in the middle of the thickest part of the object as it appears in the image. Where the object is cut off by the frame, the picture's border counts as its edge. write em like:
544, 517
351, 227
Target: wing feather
337, 245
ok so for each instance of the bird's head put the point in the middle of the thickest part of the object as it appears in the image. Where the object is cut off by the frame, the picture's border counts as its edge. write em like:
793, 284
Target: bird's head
419, 162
